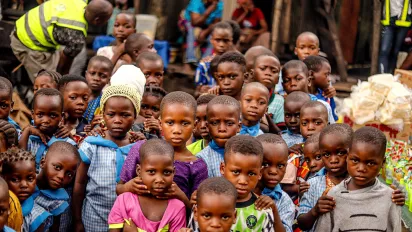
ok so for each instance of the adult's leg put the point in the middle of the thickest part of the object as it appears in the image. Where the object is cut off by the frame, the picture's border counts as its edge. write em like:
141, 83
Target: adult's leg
79, 62
398, 39
190, 42
387, 35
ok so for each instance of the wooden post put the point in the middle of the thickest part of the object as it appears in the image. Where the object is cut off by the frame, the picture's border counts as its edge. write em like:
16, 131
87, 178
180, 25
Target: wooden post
277, 12
376, 35
286, 22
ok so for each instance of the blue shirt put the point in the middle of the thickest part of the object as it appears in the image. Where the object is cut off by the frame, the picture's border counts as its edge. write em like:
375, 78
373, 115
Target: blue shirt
284, 204
203, 75
197, 6
331, 102
292, 139
212, 158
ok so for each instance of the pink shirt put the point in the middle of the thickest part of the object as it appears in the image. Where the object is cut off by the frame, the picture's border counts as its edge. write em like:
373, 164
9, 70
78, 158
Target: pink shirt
127, 206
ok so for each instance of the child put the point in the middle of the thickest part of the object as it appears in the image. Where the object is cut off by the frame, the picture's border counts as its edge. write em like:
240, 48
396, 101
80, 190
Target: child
250, 57
230, 73
76, 94
46, 79
254, 103
6, 101
242, 167
312, 155
177, 119
47, 114
307, 44
138, 43
98, 75
221, 40
201, 124
275, 159
149, 212
237, 31
8, 136
293, 103
223, 122
95, 185
4, 206
319, 72
148, 120
369, 200
152, 67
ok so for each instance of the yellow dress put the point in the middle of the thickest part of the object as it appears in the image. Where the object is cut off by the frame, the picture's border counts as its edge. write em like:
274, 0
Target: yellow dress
15, 220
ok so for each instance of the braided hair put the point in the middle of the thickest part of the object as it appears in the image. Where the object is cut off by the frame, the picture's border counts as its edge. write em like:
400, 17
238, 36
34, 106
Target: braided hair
155, 91
55, 76
14, 155
10, 132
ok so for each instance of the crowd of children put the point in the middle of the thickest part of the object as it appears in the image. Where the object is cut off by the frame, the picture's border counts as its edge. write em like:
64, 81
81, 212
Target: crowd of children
258, 150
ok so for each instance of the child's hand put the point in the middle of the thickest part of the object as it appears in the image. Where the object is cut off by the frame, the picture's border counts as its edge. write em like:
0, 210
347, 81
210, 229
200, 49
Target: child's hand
323, 205
398, 197
215, 90
151, 124
63, 132
136, 186
174, 192
296, 149
129, 226
264, 202
303, 188
136, 136
97, 121
193, 199
329, 92
185, 230
97, 131
36, 132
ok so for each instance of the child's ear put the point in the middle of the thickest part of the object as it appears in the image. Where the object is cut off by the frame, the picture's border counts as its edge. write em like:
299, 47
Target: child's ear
311, 72
42, 162
295, 51
222, 168
234, 220
11, 106
138, 170
239, 126
260, 173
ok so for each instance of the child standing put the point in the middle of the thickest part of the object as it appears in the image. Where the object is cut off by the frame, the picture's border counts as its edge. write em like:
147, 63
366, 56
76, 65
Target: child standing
362, 202
151, 212
46, 79
4, 206
307, 44
254, 103
230, 73
223, 122
152, 67
95, 185
98, 75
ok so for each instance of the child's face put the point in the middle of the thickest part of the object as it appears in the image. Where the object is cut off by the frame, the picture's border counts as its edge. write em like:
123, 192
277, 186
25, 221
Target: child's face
221, 40
42, 82
275, 159
201, 121
76, 97
177, 122
312, 120
321, 79
98, 76
59, 169
306, 46
123, 27
153, 71
146, 44
119, 115
230, 77
254, 103
150, 106
292, 116
313, 157
6, 104
295, 80
364, 163
223, 123
267, 70
4, 207
47, 113
22, 179
215, 212
157, 173
334, 152
243, 171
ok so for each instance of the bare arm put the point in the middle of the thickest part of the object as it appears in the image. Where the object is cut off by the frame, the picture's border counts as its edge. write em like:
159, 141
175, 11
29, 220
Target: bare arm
200, 19
79, 193
65, 63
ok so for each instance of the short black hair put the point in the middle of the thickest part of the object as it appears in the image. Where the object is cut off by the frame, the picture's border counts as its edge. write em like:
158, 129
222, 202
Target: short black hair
314, 63
129, 14
237, 31
49, 92
338, 129
134, 42
66, 79
5, 85
10, 132
222, 25
271, 138
155, 147
315, 104
297, 96
12, 156
102, 59
218, 186
224, 100
55, 76
233, 57
64, 148
255, 84
296, 64
245, 145
372, 136
155, 91
314, 138
205, 99
179, 97
150, 56
263, 55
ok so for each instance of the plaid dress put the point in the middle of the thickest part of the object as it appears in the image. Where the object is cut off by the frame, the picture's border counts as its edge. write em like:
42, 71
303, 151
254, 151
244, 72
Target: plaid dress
35, 215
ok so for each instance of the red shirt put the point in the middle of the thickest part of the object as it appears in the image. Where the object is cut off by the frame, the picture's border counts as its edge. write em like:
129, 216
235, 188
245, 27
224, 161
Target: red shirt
251, 20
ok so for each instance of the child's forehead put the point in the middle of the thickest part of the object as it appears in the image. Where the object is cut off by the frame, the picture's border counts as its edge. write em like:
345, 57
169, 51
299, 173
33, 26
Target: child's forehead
292, 105
50, 99
123, 16
314, 112
150, 64
307, 39
268, 60
275, 151
222, 32
229, 67
221, 110
245, 161
294, 71
311, 148
255, 91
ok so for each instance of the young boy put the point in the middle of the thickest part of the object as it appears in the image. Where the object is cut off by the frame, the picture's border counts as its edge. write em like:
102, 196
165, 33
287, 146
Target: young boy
6, 101
4, 206
98, 75
362, 202
152, 67
254, 103
250, 57
137, 43
223, 122
275, 159
221, 40
313, 157
230, 73
307, 44
293, 103
201, 124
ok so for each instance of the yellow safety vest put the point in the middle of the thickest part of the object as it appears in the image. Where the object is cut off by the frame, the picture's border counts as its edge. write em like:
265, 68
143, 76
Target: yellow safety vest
35, 28
401, 22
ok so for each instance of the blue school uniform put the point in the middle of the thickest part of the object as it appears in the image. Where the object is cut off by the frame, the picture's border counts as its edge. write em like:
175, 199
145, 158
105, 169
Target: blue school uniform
8, 229
284, 204
54, 201
292, 139
105, 160
253, 131
66, 217
34, 215
331, 102
14, 123
212, 155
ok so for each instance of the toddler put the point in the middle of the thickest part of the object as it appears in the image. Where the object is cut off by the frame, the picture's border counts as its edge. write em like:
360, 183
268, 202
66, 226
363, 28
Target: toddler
152, 67
4, 206
230, 73
46, 79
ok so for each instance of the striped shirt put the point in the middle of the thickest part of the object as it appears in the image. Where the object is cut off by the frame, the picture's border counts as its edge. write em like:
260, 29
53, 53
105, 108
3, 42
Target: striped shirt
276, 109
284, 204
212, 159
292, 139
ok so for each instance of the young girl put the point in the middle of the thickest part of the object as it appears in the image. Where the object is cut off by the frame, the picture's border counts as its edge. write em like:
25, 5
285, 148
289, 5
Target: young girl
46, 79
95, 185
151, 212
148, 120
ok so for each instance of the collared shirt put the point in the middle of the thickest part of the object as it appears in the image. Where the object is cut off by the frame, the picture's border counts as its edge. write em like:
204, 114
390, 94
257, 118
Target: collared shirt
292, 139
276, 109
284, 204
212, 159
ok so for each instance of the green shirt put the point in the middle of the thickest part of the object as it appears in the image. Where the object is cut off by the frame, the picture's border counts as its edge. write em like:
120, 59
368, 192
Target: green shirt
196, 147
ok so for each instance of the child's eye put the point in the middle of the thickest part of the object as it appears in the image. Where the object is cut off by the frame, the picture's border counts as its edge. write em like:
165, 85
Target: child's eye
14, 180
144, 107
236, 172
340, 153
252, 174
72, 98
155, 109
70, 175
265, 165
31, 179
170, 123
248, 100
232, 77
280, 166
225, 218
213, 123
39, 115
318, 123
326, 154
147, 75
150, 171
303, 123
167, 172
371, 163
206, 216
262, 103
318, 157
355, 161
57, 167
230, 123
4, 106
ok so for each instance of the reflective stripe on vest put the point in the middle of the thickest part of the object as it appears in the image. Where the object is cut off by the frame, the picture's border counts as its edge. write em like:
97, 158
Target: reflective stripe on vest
401, 22
35, 28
